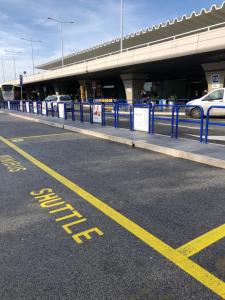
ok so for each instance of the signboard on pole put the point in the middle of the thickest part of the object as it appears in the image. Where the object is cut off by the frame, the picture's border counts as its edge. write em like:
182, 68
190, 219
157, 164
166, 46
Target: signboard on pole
21, 80
28, 107
61, 107
21, 105
97, 113
215, 81
35, 107
141, 119
43, 107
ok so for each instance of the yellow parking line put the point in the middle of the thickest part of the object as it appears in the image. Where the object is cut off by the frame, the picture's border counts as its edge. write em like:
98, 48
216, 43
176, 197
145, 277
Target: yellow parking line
203, 241
207, 279
40, 136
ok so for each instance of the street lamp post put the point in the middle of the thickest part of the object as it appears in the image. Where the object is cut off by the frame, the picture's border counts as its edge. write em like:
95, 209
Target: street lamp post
3, 69
32, 49
121, 25
61, 34
13, 52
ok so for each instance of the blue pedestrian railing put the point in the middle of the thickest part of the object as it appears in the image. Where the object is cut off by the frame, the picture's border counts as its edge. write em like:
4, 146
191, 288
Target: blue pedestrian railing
77, 112
190, 121
159, 118
110, 111
126, 113
208, 122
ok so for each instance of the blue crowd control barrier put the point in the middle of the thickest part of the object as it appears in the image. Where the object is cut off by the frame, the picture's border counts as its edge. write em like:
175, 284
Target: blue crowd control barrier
78, 108
154, 118
49, 108
208, 122
149, 107
128, 109
201, 121
113, 107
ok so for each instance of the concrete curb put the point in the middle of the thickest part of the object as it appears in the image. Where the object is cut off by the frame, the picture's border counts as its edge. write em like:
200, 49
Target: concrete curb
210, 161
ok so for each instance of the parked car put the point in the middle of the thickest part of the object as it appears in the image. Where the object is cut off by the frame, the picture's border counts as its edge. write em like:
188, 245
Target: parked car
54, 99
214, 98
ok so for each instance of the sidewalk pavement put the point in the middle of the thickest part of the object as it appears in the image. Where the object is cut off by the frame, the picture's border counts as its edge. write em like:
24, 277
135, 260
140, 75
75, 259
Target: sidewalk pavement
209, 154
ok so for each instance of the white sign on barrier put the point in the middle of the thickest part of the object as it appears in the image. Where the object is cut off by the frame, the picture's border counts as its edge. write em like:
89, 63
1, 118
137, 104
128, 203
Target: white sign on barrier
97, 113
35, 107
141, 119
28, 107
43, 108
61, 108
9, 107
21, 105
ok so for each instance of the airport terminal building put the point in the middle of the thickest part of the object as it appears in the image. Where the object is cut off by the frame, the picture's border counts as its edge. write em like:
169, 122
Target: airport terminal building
177, 59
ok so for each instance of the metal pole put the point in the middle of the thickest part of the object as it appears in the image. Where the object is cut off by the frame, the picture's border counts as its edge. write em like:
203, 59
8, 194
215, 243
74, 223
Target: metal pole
32, 54
61, 29
121, 25
14, 63
3, 70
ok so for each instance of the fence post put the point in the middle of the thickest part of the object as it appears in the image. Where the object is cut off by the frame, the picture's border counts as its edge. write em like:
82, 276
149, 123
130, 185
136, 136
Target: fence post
73, 111
103, 114
81, 112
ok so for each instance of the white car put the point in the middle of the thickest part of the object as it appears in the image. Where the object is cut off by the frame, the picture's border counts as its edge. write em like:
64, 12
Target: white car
54, 99
214, 98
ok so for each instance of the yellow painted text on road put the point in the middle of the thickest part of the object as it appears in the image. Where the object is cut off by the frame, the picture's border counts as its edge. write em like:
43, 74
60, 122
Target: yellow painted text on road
65, 211
11, 164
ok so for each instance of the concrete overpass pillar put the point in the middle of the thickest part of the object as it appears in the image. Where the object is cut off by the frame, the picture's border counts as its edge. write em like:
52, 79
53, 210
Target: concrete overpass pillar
133, 84
215, 74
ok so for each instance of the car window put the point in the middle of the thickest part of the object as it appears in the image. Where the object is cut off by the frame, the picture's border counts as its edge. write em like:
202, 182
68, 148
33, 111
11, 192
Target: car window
65, 98
51, 98
216, 95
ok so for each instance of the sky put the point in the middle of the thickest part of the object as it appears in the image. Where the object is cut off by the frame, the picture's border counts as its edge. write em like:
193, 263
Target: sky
95, 22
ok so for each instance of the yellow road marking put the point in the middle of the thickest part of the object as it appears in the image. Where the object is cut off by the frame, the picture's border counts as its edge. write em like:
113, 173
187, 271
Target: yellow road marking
196, 271
40, 136
203, 241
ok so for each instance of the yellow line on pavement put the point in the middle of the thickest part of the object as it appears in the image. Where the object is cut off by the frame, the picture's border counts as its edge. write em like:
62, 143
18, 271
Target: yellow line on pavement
40, 136
207, 279
203, 241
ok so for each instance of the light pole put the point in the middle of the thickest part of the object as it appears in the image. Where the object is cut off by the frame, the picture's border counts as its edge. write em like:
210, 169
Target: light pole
121, 25
3, 69
32, 48
61, 33
13, 52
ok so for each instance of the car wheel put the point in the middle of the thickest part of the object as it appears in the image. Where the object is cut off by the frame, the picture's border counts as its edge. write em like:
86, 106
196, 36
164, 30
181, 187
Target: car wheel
195, 113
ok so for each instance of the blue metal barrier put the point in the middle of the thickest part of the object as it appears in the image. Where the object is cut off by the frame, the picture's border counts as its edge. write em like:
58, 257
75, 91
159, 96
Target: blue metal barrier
154, 118
128, 108
211, 123
112, 113
201, 121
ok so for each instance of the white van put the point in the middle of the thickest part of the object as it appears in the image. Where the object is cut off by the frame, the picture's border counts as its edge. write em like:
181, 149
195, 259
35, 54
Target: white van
54, 99
214, 98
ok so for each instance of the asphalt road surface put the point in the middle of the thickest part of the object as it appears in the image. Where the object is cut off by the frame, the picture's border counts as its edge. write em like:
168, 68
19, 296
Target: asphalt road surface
82, 218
